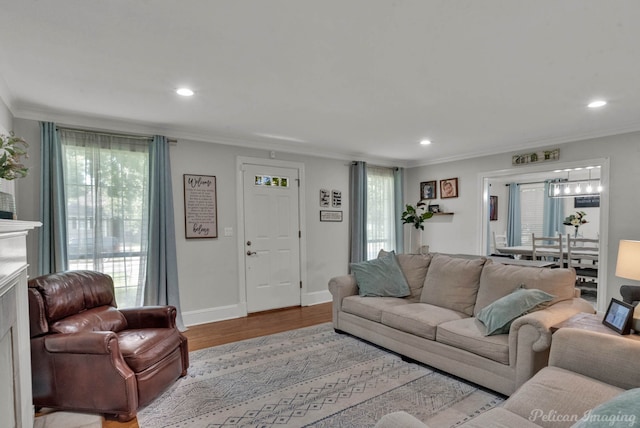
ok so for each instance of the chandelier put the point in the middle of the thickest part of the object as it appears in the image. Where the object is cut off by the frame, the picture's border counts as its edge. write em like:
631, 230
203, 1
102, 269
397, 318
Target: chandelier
571, 188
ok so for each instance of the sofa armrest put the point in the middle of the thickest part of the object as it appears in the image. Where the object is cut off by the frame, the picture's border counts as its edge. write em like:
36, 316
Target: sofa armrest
542, 321
530, 336
341, 287
93, 342
609, 358
150, 317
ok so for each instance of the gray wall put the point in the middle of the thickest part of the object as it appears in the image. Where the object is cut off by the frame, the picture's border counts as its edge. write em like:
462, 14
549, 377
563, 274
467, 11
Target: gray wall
459, 233
6, 118
208, 268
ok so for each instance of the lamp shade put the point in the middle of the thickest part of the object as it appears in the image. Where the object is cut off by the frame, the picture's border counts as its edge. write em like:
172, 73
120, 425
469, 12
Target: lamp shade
628, 260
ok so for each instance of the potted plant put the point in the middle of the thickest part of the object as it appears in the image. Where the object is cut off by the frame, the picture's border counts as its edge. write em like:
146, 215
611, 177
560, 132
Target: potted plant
416, 216
12, 150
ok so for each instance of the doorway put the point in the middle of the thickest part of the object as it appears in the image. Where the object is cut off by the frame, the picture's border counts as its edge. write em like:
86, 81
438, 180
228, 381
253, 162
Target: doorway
540, 173
270, 234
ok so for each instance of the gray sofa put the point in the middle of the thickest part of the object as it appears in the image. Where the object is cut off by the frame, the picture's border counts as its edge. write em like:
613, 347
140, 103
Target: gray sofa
436, 324
587, 374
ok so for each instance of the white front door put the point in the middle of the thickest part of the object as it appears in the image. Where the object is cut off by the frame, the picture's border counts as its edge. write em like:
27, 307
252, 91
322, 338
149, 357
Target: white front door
272, 237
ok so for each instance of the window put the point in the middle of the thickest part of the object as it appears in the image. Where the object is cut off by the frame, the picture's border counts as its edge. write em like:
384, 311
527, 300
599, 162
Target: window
531, 211
381, 216
106, 179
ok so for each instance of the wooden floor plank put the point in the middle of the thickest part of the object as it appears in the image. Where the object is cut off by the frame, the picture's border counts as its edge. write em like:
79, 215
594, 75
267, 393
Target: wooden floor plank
255, 325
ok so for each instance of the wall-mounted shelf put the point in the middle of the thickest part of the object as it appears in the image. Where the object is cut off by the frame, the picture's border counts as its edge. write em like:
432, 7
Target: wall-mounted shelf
442, 213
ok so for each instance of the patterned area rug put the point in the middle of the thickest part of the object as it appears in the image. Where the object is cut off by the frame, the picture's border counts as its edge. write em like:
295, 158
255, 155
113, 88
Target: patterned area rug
311, 377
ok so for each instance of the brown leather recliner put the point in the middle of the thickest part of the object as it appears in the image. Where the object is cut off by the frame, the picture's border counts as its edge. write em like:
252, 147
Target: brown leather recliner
86, 355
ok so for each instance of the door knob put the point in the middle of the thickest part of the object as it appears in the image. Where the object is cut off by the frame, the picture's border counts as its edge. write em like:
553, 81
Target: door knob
251, 253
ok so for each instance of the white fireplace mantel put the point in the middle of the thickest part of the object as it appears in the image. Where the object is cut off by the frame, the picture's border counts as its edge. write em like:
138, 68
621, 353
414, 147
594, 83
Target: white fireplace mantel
16, 405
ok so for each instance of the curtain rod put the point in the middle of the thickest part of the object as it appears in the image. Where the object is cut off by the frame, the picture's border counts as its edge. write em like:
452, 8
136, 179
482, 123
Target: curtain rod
113, 134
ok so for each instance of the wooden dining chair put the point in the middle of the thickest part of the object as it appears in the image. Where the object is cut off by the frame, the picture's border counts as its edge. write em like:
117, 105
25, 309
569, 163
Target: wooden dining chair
547, 248
499, 241
583, 255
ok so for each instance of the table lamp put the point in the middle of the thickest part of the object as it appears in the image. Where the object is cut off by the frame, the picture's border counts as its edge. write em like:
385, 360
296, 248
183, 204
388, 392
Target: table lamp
628, 267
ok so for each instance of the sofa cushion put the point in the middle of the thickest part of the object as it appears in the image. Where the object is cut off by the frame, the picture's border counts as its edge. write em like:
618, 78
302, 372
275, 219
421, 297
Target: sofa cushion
142, 348
559, 392
468, 334
380, 277
420, 319
452, 283
623, 409
497, 317
103, 318
498, 280
414, 267
370, 307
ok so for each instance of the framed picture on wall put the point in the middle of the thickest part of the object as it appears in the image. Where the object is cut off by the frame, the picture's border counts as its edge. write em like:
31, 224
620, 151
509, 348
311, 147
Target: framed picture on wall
449, 188
493, 208
428, 190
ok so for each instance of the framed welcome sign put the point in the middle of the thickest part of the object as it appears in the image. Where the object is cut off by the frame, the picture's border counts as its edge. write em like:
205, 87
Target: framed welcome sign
200, 206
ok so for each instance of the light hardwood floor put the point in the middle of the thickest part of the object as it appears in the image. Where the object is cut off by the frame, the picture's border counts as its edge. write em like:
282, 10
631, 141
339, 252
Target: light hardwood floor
254, 325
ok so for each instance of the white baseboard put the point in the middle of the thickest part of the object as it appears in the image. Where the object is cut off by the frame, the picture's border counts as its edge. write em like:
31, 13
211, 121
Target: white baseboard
310, 299
204, 316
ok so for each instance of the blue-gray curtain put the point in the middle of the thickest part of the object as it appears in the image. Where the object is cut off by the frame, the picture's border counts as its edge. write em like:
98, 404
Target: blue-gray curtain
514, 219
52, 236
161, 284
398, 201
488, 235
553, 213
358, 212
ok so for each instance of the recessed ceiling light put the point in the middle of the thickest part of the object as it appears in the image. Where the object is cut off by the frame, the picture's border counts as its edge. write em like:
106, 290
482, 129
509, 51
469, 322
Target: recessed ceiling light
597, 103
185, 92
425, 142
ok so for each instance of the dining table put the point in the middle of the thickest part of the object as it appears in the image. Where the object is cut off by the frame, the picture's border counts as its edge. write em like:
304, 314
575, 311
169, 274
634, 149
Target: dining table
527, 251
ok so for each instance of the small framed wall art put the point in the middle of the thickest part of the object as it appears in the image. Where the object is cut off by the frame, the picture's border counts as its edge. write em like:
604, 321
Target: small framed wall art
493, 208
336, 199
330, 215
428, 190
325, 197
449, 188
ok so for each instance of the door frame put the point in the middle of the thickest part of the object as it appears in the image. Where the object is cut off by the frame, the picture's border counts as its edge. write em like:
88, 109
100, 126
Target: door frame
483, 203
241, 161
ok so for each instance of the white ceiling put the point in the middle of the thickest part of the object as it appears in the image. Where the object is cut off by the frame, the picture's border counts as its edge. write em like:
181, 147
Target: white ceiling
350, 78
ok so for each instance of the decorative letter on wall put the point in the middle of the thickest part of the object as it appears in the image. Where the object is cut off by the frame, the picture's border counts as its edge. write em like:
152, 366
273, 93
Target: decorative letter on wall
200, 206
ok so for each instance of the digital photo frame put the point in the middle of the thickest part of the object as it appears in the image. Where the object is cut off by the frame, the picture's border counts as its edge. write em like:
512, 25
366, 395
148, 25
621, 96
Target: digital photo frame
618, 316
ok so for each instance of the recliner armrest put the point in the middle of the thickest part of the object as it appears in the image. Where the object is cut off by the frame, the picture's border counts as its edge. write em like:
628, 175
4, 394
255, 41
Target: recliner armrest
90, 342
150, 317
610, 358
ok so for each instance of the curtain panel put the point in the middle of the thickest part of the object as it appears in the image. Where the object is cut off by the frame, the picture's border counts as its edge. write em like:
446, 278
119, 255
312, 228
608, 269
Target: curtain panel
358, 212
161, 286
52, 236
514, 223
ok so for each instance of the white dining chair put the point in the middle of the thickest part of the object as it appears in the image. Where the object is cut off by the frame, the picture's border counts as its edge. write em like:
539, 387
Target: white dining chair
583, 255
547, 248
499, 241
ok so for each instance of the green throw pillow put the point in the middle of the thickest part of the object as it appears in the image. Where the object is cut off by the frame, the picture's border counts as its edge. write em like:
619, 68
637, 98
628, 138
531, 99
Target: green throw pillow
381, 277
497, 317
621, 411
